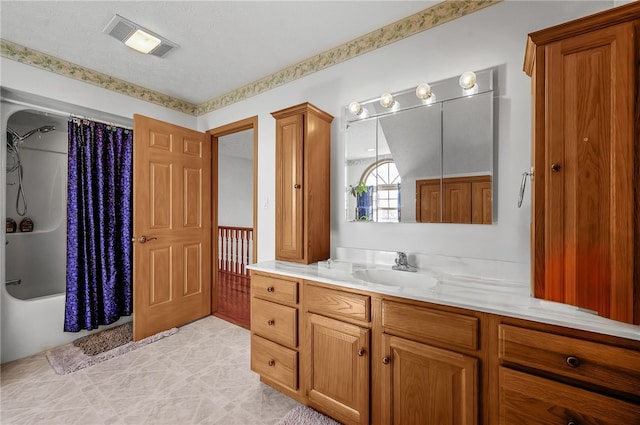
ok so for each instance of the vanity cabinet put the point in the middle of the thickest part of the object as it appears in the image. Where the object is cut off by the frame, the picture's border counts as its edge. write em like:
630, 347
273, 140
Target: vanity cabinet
338, 353
429, 370
303, 142
274, 331
586, 162
549, 376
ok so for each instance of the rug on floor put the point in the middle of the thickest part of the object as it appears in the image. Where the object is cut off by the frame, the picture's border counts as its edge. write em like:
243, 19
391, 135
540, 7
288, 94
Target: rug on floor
98, 347
303, 415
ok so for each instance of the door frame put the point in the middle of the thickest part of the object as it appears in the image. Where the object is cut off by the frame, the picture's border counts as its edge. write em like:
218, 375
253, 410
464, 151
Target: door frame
216, 133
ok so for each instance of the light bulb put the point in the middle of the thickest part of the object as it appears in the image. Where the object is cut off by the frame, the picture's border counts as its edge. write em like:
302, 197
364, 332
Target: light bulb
423, 91
467, 80
386, 100
355, 108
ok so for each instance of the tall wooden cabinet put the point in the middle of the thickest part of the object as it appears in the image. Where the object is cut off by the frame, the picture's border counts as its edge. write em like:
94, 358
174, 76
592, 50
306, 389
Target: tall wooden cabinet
586, 159
303, 143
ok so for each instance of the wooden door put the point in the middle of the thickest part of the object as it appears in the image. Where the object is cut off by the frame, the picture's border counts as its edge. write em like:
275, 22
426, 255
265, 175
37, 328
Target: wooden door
339, 364
172, 210
428, 201
588, 166
289, 194
427, 385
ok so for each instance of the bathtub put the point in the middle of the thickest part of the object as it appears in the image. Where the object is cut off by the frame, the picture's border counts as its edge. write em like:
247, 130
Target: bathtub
33, 272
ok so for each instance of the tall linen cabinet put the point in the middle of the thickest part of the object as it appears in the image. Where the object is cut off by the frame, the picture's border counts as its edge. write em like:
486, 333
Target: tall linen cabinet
303, 146
586, 184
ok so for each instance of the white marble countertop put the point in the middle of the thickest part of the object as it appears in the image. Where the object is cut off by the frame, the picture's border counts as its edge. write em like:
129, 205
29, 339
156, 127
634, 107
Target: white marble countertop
497, 296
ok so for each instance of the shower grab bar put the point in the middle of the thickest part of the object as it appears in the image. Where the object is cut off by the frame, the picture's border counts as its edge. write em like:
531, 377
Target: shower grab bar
13, 282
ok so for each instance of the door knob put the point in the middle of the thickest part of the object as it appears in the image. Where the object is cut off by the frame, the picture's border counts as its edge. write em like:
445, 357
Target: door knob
144, 239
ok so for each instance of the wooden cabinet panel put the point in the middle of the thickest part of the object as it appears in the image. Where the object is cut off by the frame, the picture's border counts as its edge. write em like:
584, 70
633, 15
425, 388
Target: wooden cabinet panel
587, 361
481, 203
275, 362
430, 325
456, 203
338, 304
428, 385
585, 191
527, 399
284, 290
428, 201
276, 322
303, 142
339, 365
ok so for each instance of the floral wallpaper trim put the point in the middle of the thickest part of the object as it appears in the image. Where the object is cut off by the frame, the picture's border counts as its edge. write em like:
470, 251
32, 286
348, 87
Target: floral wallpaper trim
418, 22
40, 60
436, 15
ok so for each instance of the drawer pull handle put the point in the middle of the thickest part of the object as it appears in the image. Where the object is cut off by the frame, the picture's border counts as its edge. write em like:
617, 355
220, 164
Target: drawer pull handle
573, 362
271, 322
361, 352
386, 360
272, 362
270, 289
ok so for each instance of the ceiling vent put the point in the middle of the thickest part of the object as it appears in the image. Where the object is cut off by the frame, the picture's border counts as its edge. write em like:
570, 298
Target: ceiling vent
124, 29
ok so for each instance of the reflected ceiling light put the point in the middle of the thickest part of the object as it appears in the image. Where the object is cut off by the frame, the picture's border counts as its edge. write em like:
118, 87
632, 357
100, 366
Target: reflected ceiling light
424, 93
387, 101
138, 38
356, 108
467, 80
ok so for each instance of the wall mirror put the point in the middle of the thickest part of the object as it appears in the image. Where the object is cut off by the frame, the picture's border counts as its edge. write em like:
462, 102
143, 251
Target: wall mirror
423, 155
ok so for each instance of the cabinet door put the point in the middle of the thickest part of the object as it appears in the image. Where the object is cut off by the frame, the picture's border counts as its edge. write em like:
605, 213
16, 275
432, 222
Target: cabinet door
481, 203
456, 206
427, 385
339, 369
587, 169
528, 399
428, 201
289, 193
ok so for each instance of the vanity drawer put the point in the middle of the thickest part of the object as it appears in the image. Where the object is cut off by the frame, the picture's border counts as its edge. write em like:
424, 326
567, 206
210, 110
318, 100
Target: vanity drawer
274, 362
592, 362
528, 399
274, 288
429, 325
336, 303
276, 322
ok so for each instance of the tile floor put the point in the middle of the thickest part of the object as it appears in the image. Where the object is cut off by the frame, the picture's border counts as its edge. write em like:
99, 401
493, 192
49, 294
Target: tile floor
200, 375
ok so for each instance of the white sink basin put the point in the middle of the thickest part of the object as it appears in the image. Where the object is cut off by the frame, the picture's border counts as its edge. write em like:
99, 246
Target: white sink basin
396, 278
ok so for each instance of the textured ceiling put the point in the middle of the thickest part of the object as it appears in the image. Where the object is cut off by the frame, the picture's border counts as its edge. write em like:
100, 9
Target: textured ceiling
223, 44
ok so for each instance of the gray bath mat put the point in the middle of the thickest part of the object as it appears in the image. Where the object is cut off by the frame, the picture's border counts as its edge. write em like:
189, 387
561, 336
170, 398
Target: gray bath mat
303, 415
98, 347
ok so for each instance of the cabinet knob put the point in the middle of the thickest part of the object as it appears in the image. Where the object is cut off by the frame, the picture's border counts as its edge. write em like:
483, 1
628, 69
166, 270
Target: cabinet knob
572, 423
573, 361
271, 322
272, 362
556, 168
386, 360
270, 289
296, 186
361, 352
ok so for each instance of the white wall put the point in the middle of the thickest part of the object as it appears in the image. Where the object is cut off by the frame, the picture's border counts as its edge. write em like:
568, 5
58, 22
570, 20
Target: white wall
495, 36
235, 191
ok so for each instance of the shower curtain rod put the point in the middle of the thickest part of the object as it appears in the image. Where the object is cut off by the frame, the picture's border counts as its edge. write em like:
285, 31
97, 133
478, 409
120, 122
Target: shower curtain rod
64, 113
82, 117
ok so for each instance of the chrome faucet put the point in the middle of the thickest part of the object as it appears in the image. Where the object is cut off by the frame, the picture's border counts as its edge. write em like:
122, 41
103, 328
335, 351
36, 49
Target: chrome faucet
402, 263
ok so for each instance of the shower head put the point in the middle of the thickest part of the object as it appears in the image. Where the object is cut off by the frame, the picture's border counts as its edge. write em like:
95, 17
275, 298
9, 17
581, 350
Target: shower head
16, 138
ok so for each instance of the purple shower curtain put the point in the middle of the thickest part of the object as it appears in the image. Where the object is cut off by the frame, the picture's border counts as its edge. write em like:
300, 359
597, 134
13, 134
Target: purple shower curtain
99, 225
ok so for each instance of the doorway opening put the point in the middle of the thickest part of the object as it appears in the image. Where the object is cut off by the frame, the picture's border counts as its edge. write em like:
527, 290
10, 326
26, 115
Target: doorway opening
234, 218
